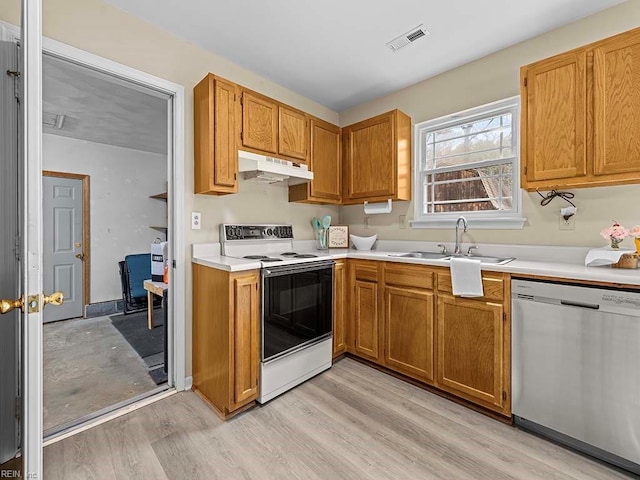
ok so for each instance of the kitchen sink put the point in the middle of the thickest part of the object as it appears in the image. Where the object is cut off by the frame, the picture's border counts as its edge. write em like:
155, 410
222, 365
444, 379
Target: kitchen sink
486, 259
426, 255
445, 256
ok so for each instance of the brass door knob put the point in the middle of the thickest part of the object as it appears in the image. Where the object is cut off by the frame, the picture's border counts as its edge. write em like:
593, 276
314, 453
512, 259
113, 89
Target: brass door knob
80, 256
56, 298
7, 305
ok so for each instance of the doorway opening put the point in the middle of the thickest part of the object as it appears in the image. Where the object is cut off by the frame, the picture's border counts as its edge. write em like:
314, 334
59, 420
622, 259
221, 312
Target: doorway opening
99, 349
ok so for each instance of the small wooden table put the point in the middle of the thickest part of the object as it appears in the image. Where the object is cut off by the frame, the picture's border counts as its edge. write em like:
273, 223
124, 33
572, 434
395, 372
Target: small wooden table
153, 288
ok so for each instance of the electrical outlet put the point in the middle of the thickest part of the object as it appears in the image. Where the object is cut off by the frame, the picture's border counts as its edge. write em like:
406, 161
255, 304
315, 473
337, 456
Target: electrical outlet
365, 221
402, 220
196, 220
569, 224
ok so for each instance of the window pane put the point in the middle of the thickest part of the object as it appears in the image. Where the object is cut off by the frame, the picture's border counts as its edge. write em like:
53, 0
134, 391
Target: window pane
487, 139
453, 148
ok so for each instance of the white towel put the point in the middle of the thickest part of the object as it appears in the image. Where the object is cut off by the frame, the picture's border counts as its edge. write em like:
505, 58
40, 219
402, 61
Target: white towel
466, 278
604, 256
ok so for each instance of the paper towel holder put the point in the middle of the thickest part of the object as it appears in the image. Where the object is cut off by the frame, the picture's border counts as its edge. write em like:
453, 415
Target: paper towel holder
378, 207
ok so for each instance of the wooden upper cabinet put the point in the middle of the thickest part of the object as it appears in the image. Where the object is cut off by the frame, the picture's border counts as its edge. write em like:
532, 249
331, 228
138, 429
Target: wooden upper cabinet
616, 108
216, 157
325, 163
554, 118
581, 116
293, 133
377, 159
259, 122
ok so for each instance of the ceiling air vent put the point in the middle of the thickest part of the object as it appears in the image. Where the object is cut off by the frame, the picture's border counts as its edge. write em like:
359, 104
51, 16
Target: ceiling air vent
407, 38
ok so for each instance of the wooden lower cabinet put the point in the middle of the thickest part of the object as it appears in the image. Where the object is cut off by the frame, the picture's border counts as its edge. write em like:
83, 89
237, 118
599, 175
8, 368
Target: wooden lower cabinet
405, 318
365, 310
471, 351
409, 332
339, 306
226, 338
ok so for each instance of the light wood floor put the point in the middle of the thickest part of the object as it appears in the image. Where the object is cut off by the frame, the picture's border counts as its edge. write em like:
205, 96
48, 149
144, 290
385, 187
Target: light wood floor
351, 422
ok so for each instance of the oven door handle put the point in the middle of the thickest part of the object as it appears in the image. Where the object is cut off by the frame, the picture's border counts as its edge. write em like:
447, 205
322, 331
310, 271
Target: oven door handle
289, 269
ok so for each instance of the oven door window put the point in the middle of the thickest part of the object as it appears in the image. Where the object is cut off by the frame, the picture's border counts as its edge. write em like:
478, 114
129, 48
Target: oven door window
298, 309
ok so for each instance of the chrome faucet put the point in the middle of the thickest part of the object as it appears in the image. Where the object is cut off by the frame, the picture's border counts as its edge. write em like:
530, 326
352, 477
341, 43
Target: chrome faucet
456, 250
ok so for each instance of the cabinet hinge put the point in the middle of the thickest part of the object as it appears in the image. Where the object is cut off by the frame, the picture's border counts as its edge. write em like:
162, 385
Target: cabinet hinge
18, 408
504, 396
525, 81
241, 136
234, 97
173, 264
242, 100
235, 176
504, 316
525, 169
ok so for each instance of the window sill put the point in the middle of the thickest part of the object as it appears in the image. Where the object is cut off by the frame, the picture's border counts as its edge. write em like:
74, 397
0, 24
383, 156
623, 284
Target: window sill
513, 223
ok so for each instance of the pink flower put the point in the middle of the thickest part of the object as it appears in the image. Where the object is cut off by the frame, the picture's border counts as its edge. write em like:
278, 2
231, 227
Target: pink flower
615, 231
635, 231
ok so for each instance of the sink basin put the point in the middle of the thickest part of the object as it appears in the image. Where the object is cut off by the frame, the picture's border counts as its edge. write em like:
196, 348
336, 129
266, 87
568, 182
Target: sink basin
426, 255
445, 256
491, 260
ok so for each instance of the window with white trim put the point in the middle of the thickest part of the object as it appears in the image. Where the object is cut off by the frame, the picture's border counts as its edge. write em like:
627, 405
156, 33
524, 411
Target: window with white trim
468, 164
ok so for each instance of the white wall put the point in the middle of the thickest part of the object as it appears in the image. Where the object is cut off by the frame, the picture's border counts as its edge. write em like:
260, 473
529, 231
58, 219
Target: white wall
102, 29
493, 78
121, 181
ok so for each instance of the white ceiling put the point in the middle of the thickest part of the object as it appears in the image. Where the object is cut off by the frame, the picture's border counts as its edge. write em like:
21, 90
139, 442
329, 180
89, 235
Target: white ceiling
334, 52
104, 109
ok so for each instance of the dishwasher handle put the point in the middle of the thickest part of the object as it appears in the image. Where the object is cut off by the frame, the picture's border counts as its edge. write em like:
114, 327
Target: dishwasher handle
570, 303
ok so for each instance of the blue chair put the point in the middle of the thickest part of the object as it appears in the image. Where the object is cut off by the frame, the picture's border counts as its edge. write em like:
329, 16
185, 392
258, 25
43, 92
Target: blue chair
134, 270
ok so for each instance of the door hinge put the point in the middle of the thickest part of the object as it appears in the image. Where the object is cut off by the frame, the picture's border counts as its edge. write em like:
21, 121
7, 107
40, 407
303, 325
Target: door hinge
16, 82
18, 408
525, 81
17, 247
173, 264
504, 396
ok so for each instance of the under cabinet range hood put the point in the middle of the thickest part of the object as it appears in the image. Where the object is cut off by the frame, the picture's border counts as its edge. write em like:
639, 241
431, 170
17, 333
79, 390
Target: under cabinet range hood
262, 169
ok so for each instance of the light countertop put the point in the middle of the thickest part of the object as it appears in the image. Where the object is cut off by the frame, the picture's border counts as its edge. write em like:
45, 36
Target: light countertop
204, 254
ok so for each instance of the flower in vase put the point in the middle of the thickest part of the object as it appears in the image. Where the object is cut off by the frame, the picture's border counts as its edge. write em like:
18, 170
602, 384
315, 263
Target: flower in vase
615, 233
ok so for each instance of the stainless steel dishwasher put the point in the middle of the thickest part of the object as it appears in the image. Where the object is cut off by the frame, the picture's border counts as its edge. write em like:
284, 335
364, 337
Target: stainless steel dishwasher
576, 367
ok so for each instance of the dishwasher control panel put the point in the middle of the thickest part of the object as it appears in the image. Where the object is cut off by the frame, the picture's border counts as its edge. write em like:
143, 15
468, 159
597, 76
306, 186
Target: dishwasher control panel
578, 296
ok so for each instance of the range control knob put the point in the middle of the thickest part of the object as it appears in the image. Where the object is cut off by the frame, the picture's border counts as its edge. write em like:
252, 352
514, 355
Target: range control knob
269, 232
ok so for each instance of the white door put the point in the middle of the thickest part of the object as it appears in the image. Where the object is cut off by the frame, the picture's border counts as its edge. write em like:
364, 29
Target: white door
63, 245
30, 294
9, 265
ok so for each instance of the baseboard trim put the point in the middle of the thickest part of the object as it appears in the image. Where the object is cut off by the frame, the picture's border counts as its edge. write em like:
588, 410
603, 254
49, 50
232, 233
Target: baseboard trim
101, 309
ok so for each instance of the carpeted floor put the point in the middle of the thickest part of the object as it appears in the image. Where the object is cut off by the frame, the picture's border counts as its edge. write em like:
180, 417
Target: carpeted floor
149, 344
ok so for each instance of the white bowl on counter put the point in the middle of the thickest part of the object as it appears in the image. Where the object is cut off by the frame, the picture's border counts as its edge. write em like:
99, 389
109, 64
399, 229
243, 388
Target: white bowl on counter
363, 243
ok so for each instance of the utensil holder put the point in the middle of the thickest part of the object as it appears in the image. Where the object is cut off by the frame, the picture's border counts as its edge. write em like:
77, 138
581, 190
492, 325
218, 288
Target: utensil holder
321, 239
